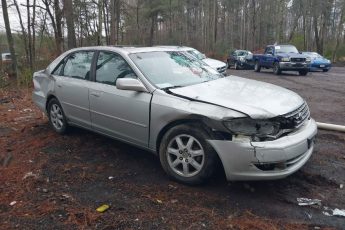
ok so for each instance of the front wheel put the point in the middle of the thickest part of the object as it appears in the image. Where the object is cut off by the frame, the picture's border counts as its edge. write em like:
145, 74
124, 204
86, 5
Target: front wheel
186, 156
325, 70
276, 69
303, 72
257, 67
236, 66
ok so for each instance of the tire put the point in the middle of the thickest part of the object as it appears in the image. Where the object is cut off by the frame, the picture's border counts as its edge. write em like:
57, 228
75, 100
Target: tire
236, 66
57, 118
189, 165
303, 72
276, 69
325, 70
257, 67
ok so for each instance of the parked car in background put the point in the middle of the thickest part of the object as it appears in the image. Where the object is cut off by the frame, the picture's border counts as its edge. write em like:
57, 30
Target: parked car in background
318, 62
194, 118
282, 58
6, 57
5, 62
216, 64
240, 59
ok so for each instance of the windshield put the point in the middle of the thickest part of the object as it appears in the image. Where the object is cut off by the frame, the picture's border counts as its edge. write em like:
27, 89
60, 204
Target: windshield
242, 53
167, 69
196, 54
286, 49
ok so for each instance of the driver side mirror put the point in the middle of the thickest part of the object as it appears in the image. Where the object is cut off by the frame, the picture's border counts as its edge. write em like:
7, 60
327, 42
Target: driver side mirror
130, 84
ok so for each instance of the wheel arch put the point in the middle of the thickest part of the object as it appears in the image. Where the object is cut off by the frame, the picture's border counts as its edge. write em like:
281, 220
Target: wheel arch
192, 119
49, 97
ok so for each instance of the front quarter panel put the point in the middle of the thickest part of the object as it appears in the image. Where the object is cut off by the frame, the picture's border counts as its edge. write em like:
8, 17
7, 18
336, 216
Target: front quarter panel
167, 108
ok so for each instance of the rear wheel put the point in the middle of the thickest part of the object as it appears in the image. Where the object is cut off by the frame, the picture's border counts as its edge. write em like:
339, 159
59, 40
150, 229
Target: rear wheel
303, 72
276, 69
186, 156
257, 67
56, 116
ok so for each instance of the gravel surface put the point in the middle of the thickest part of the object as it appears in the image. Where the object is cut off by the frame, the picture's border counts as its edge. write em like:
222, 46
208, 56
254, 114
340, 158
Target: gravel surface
57, 182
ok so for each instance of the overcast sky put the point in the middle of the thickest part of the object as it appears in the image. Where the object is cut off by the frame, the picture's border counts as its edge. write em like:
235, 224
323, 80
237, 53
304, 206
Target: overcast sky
13, 16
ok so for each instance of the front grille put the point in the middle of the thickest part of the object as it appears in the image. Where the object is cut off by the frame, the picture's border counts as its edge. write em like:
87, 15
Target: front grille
299, 116
297, 59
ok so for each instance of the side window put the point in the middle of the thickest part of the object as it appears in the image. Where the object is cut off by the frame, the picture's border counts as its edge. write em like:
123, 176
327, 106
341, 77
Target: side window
58, 69
78, 65
110, 67
269, 50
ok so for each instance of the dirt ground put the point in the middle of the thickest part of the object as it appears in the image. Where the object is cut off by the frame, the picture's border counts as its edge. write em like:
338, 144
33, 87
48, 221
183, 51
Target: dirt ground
48, 181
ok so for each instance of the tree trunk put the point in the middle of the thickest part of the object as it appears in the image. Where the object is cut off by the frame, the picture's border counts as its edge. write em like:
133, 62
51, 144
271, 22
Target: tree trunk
33, 33
339, 32
58, 22
23, 32
68, 10
9, 37
113, 22
29, 33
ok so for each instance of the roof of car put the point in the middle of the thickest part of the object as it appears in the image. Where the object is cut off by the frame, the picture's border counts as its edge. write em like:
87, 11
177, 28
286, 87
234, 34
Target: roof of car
182, 48
128, 49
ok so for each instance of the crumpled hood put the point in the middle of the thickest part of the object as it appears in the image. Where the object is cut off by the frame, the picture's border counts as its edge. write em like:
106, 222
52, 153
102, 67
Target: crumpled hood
214, 63
257, 99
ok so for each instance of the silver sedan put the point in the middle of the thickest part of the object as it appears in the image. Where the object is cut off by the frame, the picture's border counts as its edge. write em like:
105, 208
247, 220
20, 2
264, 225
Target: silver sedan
192, 117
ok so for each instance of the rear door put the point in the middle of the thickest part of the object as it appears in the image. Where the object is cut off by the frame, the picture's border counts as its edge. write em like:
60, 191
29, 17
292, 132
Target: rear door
72, 87
123, 114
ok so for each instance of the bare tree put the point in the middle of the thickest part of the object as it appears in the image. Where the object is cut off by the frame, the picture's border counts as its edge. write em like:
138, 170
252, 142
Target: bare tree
68, 10
9, 36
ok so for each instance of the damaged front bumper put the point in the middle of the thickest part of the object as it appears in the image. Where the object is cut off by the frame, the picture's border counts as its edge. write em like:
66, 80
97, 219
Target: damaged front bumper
246, 160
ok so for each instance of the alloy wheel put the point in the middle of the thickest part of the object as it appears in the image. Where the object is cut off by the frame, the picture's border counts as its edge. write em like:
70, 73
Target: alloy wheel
185, 155
56, 116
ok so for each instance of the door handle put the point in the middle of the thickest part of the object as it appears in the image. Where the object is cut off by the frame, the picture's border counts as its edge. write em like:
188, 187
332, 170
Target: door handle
59, 85
95, 94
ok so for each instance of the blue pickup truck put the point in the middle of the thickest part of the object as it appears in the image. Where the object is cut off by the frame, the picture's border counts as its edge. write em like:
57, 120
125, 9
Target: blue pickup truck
282, 58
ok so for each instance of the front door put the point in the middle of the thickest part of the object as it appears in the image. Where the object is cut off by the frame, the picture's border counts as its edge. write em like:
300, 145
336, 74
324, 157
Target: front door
123, 114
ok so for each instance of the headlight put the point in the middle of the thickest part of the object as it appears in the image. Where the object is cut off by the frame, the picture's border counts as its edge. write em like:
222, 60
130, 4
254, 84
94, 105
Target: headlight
286, 59
328, 61
251, 127
242, 59
308, 59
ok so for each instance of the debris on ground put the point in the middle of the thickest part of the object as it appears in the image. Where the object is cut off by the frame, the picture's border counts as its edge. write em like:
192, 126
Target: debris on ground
13, 203
333, 212
30, 174
102, 208
306, 201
